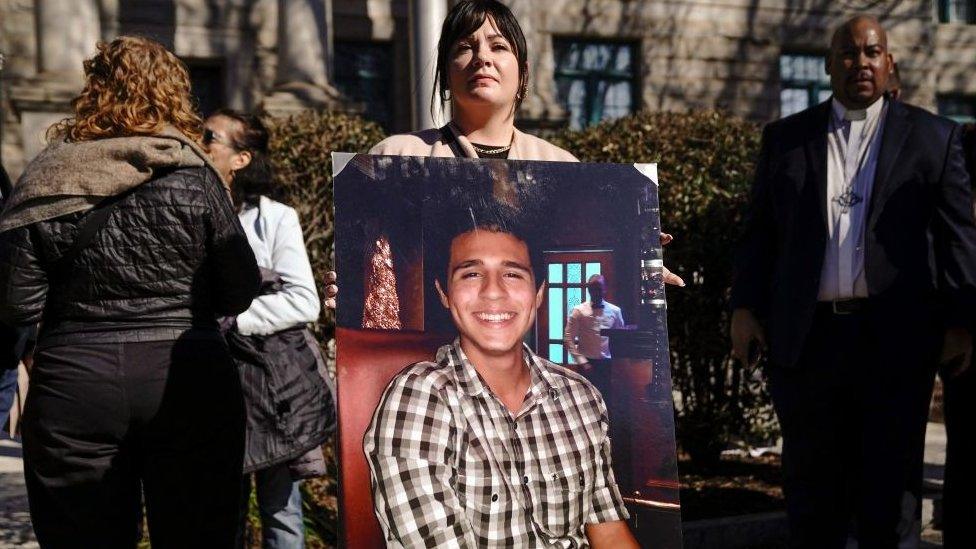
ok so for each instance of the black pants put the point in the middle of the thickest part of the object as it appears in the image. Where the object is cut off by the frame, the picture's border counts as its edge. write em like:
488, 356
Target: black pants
853, 414
959, 494
599, 375
104, 420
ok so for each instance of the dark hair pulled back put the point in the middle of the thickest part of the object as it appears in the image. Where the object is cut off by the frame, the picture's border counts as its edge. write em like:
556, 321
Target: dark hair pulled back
257, 178
462, 20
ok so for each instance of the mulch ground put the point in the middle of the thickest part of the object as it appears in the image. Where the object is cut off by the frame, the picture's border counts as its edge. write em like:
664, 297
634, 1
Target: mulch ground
735, 486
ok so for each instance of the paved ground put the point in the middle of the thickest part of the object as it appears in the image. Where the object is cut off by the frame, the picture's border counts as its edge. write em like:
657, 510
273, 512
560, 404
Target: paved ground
15, 526
935, 448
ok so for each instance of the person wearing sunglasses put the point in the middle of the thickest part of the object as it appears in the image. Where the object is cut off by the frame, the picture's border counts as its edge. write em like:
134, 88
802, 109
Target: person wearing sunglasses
290, 410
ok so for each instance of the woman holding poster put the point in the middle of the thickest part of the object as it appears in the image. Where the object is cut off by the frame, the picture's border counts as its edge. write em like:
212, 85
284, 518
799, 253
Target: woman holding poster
482, 72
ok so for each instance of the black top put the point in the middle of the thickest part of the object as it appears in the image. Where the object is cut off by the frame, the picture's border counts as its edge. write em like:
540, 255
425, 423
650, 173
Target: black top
170, 256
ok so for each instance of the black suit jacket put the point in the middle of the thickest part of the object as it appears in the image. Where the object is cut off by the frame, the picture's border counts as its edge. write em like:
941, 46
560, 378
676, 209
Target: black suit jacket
920, 238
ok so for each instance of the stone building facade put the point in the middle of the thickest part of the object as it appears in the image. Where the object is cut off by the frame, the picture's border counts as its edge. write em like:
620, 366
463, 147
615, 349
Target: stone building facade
590, 59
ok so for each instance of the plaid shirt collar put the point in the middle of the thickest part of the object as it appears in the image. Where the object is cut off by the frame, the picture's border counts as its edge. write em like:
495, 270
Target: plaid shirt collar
470, 382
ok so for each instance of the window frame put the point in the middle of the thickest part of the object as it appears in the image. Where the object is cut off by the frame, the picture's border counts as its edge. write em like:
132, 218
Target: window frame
390, 80
592, 110
969, 98
813, 88
218, 66
945, 13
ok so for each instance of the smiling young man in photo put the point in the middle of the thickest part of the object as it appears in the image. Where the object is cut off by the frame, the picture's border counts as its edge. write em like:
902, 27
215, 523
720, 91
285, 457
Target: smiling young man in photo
491, 445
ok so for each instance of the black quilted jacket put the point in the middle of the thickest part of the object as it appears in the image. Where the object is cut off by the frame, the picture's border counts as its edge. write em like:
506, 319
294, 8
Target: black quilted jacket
171, 256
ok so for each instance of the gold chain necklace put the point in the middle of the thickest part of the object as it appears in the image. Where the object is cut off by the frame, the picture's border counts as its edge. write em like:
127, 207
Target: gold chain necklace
496, 150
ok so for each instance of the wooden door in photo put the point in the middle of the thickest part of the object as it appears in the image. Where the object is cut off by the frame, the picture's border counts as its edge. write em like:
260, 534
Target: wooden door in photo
566, 276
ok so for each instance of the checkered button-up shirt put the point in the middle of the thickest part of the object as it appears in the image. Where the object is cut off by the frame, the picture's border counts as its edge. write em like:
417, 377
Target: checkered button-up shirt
451, 466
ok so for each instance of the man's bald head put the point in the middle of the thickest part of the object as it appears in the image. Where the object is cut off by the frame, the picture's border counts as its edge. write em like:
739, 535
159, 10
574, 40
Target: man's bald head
597, 286
859, 63
849, 27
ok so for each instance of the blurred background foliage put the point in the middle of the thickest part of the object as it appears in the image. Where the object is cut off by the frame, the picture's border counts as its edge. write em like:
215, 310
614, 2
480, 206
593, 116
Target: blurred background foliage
705, 164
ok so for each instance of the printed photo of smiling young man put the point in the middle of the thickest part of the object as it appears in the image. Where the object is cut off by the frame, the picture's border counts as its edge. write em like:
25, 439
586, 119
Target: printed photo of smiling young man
491, 445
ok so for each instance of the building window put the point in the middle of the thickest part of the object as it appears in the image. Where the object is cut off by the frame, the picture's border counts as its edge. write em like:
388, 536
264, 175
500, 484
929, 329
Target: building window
804, 83
364, 74
959, 107
957, 11
595, 80
206, 84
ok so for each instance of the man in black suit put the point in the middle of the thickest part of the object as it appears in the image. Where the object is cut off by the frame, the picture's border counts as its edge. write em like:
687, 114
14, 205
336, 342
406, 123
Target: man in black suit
959, 406
858, 267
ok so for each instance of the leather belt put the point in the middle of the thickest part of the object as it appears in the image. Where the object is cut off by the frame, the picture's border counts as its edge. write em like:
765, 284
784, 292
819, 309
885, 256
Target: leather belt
845, 306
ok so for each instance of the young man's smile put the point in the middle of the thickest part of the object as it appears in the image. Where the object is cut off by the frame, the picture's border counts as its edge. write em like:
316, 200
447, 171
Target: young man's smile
491, 293
495, 318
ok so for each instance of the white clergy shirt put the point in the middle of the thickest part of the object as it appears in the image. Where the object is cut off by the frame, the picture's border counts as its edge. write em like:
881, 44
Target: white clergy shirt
853, 144
584, 324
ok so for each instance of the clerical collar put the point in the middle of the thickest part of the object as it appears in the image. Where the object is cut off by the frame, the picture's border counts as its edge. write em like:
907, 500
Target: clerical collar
843, 113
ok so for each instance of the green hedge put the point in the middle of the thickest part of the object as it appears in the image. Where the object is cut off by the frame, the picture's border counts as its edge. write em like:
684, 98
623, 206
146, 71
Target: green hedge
705, 164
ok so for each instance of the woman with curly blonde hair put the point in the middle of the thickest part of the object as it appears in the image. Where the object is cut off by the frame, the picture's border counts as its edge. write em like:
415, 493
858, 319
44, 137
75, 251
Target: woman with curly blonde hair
121, 237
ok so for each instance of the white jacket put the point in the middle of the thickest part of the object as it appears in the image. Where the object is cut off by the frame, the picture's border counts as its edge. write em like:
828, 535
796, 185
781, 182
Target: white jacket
276, 237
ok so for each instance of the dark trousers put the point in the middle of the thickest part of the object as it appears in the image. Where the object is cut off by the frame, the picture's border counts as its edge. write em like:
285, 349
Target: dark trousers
104, 420
599, 375
853, 414
959, 494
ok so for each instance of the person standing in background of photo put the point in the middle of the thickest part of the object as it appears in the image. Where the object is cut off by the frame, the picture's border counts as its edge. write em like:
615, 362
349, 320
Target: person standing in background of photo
122, 237
582, 335
289, 413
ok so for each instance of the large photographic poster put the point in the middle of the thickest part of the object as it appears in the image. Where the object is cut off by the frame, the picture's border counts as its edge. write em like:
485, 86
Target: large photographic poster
587, 219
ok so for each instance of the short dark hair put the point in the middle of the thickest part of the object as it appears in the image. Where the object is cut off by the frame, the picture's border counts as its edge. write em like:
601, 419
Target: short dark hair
257, 178
467, 210
466, 17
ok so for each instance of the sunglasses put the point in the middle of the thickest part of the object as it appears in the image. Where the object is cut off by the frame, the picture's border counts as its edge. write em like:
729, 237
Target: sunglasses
210, 136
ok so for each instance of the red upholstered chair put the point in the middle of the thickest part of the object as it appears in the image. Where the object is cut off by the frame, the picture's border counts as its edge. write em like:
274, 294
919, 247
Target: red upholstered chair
366, 361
